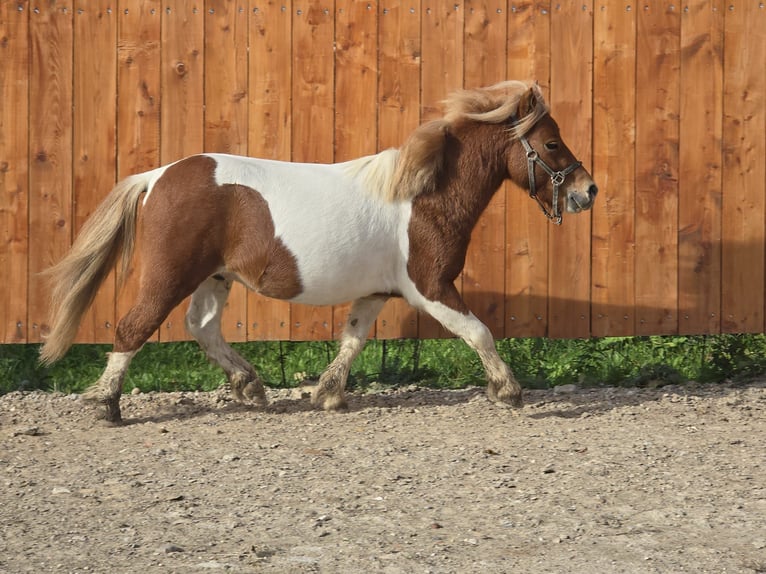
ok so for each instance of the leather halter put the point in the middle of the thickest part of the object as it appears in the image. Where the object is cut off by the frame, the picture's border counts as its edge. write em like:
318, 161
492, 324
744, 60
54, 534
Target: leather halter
557, 179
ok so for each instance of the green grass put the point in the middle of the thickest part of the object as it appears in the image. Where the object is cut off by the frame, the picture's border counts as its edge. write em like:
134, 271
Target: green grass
537, 363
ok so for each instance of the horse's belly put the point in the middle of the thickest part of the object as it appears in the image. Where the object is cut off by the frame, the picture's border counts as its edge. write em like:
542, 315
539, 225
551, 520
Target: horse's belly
337, 274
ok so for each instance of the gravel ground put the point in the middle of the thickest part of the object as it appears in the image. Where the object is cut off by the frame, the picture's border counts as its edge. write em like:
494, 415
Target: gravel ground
415, 480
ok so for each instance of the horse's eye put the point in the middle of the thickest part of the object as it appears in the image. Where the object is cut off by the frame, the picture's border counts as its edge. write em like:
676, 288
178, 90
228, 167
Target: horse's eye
552, 145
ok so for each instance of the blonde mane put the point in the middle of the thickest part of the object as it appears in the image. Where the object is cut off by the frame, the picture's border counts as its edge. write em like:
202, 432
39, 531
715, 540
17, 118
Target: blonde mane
400, 175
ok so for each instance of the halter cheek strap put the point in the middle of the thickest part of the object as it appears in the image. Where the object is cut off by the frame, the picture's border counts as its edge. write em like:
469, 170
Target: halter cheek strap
557, 179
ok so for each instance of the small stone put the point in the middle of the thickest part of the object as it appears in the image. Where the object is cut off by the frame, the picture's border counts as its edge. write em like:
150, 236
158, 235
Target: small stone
171, 548
28, 431
60, 490
229, 458
135, 391
564, 389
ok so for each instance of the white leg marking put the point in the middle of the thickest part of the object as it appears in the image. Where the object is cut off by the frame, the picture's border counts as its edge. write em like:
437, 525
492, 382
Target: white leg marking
329, 393
203, 320
502, 386
109, 385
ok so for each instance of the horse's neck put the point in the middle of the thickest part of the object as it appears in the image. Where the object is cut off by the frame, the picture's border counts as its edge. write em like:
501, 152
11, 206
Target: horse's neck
472, 178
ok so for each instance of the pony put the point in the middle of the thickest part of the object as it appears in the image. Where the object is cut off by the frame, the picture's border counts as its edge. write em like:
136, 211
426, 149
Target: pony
394, 224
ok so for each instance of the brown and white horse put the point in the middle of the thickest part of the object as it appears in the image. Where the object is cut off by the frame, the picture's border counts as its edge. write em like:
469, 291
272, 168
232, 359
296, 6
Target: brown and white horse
393, 224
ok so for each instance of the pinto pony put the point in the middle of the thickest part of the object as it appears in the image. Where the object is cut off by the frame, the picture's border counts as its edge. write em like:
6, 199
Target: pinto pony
395, 224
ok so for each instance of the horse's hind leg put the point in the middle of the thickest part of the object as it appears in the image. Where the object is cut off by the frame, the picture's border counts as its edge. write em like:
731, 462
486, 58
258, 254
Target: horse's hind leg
203, 320
329, 393
154, 303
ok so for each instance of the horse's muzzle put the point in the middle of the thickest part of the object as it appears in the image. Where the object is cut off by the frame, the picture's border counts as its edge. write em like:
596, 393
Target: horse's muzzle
578, 201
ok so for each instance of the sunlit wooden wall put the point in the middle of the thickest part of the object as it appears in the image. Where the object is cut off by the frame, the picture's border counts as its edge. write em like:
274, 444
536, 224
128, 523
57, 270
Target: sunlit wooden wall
663, 101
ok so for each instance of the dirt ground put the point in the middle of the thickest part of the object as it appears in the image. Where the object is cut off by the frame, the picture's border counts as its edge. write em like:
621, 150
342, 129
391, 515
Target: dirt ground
413, 481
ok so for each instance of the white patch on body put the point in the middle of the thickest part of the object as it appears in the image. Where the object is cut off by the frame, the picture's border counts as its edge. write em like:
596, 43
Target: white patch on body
347, 242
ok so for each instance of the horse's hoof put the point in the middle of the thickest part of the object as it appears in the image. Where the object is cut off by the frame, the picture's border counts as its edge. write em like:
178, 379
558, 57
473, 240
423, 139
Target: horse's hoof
329, 402
111, 414
506, 397
256, 394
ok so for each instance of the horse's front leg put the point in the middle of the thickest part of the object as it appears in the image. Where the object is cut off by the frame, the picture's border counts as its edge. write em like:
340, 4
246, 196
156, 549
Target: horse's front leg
329, 392
452, 313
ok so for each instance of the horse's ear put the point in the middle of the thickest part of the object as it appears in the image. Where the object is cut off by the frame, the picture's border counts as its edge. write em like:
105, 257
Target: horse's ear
421, 160
528, 101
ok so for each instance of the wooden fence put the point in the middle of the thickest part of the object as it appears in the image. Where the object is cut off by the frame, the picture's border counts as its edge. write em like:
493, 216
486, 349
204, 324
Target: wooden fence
663, 101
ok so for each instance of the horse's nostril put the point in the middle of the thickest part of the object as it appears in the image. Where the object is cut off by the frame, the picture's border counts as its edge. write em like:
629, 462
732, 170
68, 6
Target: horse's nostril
593, 190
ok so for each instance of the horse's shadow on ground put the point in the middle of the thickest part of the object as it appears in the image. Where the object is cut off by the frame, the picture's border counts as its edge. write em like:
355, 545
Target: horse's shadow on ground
538, 404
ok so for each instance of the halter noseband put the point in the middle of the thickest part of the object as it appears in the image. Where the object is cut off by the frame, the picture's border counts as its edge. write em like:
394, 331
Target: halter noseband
557, 178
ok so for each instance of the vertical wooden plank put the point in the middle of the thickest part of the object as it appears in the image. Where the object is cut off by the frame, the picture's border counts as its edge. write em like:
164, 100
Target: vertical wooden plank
441, 72
269, 129
398, 115
744, 169
138, 113
526, 230
485, 64
182, 113
50, 143
569, 252
95, 109
699, 186
614, 127
356, 67
657, 107
312, 122
226, 41
356, 94
442, 53
14, 169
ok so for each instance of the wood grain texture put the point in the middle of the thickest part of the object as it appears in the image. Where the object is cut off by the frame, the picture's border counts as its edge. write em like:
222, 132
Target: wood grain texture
571, 105
269, 130
614, 134
398, 115
14, 170
50, 147
657, 128
182, 109
95, 138
313, 128
699, 185
526, 230
226, 114
744, 169
484, 272
138, 114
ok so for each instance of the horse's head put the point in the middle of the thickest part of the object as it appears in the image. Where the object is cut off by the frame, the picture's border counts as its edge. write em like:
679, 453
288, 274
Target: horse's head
540, 161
